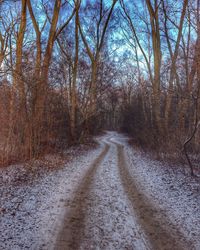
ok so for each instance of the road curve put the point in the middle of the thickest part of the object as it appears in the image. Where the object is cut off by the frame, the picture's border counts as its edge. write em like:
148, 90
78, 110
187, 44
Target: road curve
109, 211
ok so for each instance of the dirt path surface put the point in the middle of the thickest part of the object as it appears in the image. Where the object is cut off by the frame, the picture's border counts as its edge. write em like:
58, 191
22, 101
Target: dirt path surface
161, 234
111, 197
109, 210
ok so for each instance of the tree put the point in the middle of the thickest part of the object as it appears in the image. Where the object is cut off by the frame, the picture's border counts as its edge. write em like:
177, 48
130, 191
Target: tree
41, 73
101, 27
173, 55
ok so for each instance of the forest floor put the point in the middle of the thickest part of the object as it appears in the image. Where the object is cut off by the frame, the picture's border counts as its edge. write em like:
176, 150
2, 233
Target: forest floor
110, 197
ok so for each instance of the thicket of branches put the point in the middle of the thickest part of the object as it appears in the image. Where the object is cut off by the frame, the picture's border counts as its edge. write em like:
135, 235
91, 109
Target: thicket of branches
164, 111
71, 68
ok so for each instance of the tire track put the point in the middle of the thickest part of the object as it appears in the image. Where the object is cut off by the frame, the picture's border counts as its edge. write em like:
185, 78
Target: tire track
159, 236
73, 226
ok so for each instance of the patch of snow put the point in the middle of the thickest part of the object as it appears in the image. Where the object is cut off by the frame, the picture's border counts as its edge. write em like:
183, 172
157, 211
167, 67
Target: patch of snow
175, 194
31, 207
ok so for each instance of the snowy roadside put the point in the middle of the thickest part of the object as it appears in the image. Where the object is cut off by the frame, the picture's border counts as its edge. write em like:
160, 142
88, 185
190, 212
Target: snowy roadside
32, 200
175, 196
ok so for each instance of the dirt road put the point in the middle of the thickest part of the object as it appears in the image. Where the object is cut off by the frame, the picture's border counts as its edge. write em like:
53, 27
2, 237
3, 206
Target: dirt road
113, 196
109, 210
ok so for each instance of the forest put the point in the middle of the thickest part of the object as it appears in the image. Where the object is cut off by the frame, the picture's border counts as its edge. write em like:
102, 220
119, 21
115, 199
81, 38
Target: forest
70, 69
100, 124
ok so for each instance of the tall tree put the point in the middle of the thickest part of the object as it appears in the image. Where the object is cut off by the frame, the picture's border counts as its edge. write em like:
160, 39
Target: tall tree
155, 33
42, 70
173, 55
75, 71
94, 53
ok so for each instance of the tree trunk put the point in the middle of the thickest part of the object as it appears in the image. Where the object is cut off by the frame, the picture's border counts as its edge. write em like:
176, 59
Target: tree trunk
73, 89
18, 114
40, 132
93, 89
157, 61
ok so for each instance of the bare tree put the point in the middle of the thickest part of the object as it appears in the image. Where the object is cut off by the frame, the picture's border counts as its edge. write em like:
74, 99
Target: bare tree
94, 53
173, 55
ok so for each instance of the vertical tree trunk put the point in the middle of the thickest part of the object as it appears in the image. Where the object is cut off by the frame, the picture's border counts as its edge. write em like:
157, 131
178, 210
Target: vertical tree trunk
40, 133
75, 69
3, 48
157, 60
93, 89
36, 84
18, 114
18, 81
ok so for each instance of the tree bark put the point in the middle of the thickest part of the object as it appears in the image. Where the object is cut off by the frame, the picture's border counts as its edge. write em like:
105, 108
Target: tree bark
40, 133
155, 27
74, 78
18, 114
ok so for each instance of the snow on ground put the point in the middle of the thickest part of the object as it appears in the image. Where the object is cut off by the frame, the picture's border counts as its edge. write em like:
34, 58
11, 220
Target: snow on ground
32, 201
111, 223
175, 194
91, 187
109, 211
